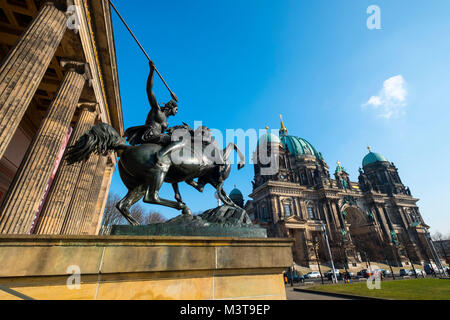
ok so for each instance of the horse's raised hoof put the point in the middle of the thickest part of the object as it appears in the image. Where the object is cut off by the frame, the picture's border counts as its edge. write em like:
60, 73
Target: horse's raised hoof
187, 211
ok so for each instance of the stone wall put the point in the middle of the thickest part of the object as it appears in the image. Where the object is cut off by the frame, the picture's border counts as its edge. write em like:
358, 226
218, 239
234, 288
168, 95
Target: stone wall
134, 267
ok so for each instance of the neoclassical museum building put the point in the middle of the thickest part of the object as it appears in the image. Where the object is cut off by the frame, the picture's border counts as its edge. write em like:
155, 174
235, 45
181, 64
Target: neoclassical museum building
374, 219
58, 77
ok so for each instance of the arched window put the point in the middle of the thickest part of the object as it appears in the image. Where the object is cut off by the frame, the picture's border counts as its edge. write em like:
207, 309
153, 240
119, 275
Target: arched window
311, 214
287, 210
379, 178
303, 178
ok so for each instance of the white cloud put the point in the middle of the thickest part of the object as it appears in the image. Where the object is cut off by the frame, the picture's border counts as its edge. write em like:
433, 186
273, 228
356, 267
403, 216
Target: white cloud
391, 100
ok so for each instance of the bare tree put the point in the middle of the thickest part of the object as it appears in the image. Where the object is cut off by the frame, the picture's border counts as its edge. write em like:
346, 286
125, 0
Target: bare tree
138, 213
112, 215
154, 217
437, 236
439, 239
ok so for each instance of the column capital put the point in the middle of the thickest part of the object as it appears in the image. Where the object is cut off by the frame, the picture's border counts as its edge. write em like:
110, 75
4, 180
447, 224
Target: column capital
79, 67
58, 4
89, 105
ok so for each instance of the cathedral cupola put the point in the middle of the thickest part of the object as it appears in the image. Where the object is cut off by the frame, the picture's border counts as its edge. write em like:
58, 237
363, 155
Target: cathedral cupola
372, 157
297, 147
237, 197
298, 160
380, 175
268, 138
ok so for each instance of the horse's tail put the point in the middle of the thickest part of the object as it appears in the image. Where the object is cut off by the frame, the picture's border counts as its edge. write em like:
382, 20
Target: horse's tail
227, 153
99, 139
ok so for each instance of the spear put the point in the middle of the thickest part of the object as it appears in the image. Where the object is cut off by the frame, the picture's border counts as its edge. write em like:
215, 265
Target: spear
140, 46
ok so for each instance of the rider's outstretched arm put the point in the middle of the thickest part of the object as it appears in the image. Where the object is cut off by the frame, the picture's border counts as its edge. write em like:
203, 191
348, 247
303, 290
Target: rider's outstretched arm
150, 94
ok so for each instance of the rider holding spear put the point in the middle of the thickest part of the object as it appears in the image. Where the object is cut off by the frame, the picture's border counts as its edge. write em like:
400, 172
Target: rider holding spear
156, 123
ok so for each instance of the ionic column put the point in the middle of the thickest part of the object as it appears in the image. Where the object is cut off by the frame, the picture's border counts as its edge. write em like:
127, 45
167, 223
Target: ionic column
304, 210
273, 203
90, 214
383, 222
103, 195
335, 213
297, 207
75, 211
25, 65
52, 215
402, 215
25, 194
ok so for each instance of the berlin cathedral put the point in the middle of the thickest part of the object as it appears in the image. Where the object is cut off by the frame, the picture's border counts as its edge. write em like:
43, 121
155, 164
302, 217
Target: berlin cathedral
374, 219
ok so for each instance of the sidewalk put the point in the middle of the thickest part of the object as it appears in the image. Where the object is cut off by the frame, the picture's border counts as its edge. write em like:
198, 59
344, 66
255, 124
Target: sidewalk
296, 295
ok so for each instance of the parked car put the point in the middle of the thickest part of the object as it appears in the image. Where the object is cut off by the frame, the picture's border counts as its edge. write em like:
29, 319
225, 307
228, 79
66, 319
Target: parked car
419, 272
329, 275
406, 272
430, 268
296, 277
312, 275
384, 272
364, 273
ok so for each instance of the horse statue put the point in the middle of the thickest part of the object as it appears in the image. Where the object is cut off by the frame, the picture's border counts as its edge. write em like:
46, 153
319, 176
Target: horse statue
144, 168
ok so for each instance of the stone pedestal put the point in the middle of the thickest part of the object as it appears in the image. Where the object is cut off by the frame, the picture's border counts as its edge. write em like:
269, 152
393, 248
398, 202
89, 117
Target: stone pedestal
139, 267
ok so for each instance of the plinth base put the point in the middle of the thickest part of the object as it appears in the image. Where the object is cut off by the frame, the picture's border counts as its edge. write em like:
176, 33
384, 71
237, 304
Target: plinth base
142, 267
213, 230
222, 221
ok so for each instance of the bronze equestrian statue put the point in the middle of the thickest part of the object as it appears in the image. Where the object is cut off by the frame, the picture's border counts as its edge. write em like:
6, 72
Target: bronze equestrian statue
152, 158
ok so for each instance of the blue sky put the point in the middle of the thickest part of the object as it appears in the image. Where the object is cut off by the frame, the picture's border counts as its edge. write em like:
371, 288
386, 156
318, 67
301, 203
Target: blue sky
240, 63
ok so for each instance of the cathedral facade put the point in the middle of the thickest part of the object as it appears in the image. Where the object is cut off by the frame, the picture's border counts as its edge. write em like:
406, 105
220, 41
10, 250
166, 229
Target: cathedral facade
332, 217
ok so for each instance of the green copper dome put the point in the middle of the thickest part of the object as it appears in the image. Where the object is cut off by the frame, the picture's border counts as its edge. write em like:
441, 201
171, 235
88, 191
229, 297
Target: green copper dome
372, 157
237, 197
236, 192
299, 146
296, 146
268, 138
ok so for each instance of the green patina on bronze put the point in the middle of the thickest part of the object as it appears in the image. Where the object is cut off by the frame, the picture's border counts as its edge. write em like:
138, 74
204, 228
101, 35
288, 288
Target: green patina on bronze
223, 221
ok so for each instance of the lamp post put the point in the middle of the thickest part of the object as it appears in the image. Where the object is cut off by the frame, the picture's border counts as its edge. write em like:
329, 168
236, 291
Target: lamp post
343, 253
410, 261
292, 275
390, 267
315, 244
329, 252
383, 247
367, 259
